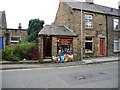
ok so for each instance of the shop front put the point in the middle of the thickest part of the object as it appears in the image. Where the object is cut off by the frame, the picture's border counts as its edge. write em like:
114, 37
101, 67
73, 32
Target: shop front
64, 46
55, 41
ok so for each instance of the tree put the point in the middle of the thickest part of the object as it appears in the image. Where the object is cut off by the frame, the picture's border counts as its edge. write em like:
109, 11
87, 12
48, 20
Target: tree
34, 27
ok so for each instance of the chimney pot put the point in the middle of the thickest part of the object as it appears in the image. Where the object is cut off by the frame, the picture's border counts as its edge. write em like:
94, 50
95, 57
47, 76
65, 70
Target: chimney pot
67, 0
90, 1
119, 4
19, 27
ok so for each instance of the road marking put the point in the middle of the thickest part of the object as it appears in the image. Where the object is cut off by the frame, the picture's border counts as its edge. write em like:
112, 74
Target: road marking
56, 67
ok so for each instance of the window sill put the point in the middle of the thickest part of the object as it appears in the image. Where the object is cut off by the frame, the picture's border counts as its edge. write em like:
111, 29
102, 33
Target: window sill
88, 51
116, 30
116, 51
88, 28
14, 41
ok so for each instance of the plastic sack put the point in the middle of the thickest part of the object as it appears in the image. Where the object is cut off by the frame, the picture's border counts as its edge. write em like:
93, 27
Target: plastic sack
62, 59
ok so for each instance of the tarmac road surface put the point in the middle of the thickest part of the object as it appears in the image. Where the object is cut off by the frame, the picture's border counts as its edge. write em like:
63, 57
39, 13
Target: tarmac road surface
89, 76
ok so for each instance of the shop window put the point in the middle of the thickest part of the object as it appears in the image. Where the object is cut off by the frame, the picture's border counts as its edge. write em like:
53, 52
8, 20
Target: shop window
89, 45
116, 24
117, 45
14, 39
64, 46
88, 21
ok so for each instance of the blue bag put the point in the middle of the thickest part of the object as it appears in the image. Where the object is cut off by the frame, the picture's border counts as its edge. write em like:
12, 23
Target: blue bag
62, 59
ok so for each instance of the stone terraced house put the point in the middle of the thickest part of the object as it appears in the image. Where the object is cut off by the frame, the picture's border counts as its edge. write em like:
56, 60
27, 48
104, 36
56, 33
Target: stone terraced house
100, 26
8, 36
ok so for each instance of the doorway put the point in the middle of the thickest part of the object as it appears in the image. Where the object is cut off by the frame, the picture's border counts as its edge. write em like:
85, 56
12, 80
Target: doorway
102, 46
47, 47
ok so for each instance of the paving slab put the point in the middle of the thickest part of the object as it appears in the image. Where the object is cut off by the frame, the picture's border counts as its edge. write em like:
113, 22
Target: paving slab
47, 65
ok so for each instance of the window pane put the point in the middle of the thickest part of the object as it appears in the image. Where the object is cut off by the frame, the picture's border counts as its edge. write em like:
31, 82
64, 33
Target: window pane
88, 21
115, 23
88, 16
64, 46
89, 38
88, 46
15, 39
116, 46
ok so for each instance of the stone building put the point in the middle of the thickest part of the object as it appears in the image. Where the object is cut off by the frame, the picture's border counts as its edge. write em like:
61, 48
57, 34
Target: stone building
98, 36
113, 33
96, 25
9, 37
54, 40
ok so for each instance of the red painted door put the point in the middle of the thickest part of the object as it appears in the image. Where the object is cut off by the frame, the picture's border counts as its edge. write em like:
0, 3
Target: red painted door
102, 47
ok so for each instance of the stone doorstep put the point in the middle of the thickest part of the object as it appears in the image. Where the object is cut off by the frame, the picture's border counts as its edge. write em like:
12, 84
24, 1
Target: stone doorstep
47, 60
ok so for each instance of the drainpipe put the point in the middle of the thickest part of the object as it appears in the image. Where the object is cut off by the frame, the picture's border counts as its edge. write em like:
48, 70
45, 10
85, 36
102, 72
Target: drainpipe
107, 36
119, 12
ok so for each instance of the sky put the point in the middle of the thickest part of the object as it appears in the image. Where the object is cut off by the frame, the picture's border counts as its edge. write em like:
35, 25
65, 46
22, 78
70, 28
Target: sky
21, 11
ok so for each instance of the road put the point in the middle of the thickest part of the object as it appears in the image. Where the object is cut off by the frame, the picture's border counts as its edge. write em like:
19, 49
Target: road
89, 76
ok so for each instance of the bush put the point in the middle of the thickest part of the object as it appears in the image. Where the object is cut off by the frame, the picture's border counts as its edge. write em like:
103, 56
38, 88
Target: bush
33, 54
18, 52
7, 54
22, 49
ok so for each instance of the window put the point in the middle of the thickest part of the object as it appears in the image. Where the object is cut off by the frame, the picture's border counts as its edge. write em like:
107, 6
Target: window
88, 21
89, 45
117, 45
64, 46
14, 39
116, 24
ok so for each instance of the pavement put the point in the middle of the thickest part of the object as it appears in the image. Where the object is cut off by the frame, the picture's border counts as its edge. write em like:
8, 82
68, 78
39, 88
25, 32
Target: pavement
36, 64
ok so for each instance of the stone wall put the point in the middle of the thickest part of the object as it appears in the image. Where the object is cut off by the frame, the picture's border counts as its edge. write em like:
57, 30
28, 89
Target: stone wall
40, 48
54, 46
111, 36
99, 25
12, 33
72, 18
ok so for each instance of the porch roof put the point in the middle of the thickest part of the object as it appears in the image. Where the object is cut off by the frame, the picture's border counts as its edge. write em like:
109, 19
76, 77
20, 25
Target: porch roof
57, 31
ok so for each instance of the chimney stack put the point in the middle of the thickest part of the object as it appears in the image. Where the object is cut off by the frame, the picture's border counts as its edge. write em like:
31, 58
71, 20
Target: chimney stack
90, 1
119, 8
119, 4
3, 21
67, 0
19, 27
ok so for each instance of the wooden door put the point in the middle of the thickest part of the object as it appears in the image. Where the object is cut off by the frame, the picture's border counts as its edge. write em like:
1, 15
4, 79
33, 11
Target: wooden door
102, 47
1, 43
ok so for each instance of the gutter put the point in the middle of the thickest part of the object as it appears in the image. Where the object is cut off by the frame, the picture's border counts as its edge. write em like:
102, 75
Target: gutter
96, 12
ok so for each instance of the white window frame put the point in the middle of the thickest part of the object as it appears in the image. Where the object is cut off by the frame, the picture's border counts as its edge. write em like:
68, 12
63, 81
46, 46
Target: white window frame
116, 21
117, 41
15, 41
88, 19
86, 51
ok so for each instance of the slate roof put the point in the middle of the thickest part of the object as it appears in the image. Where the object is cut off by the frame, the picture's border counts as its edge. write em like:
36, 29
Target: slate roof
94, 8
3, 23
57, 31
